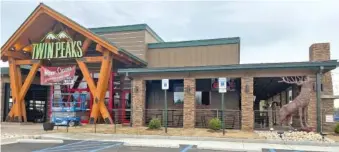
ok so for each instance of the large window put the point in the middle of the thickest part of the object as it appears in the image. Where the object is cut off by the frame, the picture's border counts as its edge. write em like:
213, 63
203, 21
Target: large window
178, 91
202, 97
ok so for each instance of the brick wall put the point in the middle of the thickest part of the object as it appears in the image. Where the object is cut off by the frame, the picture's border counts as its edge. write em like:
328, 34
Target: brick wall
247, 103
189, 103
321, 52
138, 102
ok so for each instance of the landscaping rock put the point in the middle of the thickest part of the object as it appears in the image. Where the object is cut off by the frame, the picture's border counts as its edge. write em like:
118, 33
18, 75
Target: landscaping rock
294, 136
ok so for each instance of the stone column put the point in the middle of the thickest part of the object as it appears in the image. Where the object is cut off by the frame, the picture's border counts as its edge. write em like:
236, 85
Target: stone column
138, 102
247, 120
321, 52
312, 106
189, 103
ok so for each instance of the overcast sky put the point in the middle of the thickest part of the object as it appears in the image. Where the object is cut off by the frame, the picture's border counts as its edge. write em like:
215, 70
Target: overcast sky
270, 31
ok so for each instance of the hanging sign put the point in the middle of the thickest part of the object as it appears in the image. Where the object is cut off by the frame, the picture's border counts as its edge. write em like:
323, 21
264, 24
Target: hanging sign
57, 46
165, 84
222, 85
57, 75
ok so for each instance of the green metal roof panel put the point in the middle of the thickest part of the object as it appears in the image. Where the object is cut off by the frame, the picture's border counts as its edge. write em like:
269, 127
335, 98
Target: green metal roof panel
135, 27
206, 42
331, 64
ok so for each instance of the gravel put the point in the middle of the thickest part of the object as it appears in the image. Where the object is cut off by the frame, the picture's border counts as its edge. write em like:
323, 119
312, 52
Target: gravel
294, 136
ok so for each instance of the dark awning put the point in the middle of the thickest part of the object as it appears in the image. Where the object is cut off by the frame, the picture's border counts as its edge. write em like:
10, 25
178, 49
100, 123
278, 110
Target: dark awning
327, 66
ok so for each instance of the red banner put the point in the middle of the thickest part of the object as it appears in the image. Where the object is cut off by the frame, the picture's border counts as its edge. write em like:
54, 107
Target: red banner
57, 75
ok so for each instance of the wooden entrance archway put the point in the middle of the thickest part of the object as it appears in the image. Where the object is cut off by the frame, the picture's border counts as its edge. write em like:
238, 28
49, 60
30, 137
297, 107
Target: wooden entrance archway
18, 51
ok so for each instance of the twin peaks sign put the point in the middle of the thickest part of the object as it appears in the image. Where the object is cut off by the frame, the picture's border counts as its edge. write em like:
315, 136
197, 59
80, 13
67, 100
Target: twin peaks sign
57, 46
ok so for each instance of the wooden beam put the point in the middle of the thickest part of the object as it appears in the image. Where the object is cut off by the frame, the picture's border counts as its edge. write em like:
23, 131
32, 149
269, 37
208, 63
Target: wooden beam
86, 45
87, 76
23, 104
93, 59
98, 105
16, 109
99, 48
26, 62
29, 80
17, 54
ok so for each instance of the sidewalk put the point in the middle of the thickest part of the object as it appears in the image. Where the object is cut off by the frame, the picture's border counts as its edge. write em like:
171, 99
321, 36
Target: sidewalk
202, 143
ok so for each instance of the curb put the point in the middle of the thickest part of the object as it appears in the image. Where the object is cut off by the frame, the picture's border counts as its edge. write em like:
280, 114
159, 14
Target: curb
44, 141
8, 141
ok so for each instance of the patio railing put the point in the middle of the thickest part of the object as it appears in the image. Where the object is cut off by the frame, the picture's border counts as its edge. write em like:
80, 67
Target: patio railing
232, 118
174, 116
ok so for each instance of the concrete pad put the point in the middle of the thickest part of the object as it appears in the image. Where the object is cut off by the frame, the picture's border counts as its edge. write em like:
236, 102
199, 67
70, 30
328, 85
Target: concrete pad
40, 141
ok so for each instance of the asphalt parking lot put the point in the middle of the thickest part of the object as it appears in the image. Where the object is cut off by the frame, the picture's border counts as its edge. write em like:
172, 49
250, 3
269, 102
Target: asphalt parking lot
104, 146
91, 146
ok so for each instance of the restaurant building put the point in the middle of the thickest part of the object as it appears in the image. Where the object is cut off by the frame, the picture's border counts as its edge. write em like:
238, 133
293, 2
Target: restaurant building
120, 68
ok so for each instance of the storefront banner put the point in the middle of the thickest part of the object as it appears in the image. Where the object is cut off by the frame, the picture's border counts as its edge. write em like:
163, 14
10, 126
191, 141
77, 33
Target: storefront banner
57, 75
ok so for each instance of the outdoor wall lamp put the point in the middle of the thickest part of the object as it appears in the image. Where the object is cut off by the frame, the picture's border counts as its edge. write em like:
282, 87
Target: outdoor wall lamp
188, 89
247, 88
136, 89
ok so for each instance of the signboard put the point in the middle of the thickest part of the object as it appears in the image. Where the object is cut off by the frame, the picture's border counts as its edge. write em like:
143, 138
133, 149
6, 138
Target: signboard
57, 75
329, 118
165, 84
230, 85
222, 85
59, 45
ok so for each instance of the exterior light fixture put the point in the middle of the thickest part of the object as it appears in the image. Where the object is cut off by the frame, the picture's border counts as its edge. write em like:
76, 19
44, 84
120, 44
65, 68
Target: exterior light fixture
188, 89
136, 89
247, 88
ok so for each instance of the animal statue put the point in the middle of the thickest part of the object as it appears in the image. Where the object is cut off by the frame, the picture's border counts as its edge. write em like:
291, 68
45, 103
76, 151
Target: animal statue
299, 103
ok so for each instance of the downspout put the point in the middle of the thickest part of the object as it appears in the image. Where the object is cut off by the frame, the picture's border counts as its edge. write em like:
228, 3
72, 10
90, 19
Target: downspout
318, 94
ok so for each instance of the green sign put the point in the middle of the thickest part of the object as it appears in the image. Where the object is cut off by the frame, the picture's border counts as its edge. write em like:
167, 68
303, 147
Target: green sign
57, 46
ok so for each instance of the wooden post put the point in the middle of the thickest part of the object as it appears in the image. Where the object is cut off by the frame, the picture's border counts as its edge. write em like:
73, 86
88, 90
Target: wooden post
15, 112
19, 90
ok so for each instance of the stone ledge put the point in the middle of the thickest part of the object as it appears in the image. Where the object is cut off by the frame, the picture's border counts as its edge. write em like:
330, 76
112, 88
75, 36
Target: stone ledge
329, 96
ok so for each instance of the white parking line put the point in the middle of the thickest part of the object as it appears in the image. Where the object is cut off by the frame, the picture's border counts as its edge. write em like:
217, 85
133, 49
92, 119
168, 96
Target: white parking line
86, 145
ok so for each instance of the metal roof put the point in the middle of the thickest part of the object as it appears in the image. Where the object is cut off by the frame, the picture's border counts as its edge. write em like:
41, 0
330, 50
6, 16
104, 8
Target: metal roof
328, 65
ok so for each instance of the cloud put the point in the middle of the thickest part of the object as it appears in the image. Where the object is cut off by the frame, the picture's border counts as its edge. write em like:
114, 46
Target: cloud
270, 31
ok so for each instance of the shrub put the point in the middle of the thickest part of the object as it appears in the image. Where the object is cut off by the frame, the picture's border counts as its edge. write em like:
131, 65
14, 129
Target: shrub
154, 124
214, 124
336, 130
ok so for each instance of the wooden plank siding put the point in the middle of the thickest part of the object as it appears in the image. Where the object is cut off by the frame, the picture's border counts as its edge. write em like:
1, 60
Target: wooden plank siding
132, 41
194, 56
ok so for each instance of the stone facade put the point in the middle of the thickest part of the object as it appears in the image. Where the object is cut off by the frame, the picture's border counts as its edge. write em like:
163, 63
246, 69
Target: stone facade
321, 52
312, 106
189, 103
138, 102
247, 114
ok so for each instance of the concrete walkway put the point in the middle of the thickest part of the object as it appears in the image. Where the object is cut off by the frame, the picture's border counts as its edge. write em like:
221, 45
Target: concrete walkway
217, 144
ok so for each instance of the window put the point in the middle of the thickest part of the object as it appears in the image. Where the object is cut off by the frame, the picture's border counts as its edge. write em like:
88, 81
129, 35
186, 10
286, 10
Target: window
178, 91
205, 98
178, 97
202, 97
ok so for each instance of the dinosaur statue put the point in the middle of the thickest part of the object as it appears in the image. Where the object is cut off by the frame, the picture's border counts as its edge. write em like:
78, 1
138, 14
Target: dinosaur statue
299, 103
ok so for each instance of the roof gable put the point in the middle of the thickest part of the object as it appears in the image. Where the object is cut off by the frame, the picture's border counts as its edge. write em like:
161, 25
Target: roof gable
44, 10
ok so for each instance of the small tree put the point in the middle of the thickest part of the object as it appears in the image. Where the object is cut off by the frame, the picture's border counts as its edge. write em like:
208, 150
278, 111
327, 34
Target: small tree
154, 124
214, 124
336, 129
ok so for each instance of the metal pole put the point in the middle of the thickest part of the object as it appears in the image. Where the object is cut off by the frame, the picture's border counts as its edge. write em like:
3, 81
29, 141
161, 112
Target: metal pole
222, 113
165, 114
